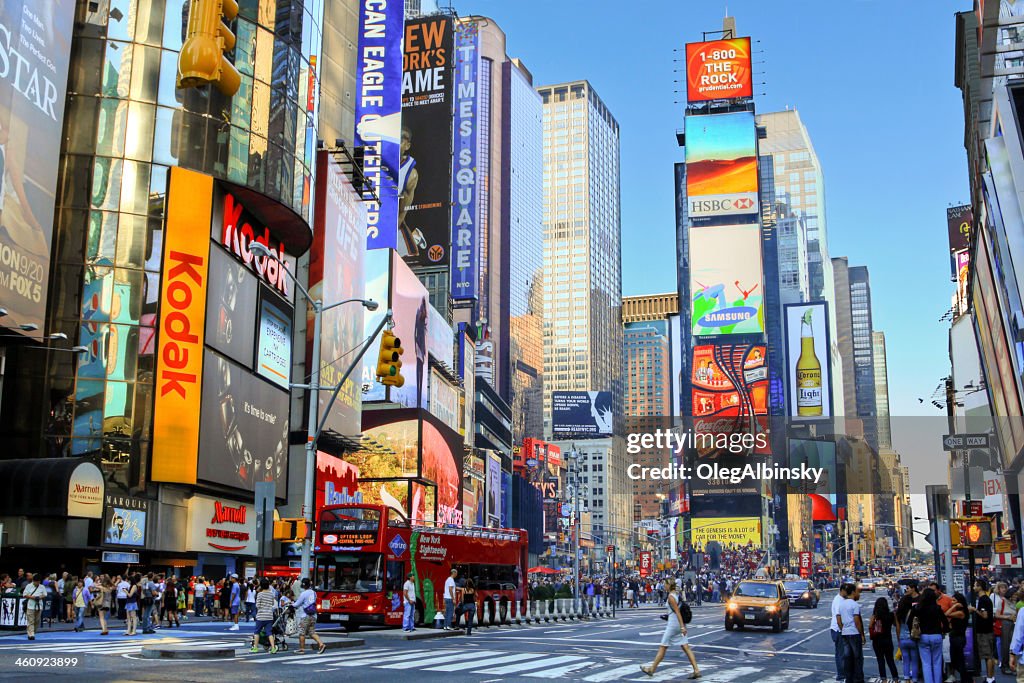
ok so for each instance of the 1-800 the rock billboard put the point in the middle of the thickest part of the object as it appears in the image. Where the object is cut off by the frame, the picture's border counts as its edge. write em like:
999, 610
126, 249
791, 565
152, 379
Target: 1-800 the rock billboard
35, 49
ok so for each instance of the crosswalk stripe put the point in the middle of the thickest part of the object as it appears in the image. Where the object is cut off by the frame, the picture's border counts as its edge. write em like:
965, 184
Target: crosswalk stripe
527, 666
441, 657
664, 674
559, 671
327, 660
727, 676
361, 659
612, 674
786, 677
460, 666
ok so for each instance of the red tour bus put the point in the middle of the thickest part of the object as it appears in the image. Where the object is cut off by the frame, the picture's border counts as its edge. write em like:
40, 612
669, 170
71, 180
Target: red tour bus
364, 552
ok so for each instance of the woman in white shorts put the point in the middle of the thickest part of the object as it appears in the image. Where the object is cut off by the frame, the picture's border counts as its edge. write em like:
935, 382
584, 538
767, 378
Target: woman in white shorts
675, 634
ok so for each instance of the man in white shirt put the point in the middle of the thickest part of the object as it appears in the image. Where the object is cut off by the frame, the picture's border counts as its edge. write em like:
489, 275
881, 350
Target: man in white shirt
449, 599
122, 596
34, 594
851, 626
199, 601
837, 640
409, 595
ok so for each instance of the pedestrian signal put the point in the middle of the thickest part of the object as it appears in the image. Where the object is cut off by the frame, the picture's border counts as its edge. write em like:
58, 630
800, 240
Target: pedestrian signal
971, 532
201, 60
389, 363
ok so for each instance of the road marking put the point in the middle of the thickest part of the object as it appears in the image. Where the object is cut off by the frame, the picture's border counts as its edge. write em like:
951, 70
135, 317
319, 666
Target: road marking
460, 666
803, 640
357, 660
611, 674
527, 666
666, 674
559, 671
440, 657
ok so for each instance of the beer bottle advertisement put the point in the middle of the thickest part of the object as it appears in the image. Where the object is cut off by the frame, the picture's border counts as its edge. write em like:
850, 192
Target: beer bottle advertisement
807, 345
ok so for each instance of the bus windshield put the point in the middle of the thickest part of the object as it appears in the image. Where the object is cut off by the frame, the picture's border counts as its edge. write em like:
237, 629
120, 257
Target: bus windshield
350, 572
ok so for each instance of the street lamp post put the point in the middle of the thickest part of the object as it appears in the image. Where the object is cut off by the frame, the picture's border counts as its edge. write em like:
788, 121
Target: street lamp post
314, 425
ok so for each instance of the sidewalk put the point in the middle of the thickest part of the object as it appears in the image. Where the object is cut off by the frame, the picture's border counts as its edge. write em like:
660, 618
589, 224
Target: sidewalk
93, 624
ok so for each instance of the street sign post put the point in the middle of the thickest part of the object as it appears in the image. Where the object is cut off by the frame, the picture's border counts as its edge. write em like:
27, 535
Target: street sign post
954, 442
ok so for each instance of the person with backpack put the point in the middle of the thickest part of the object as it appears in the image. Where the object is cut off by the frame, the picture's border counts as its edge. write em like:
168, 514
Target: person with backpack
146, 587
957, 615
908, 645
880, 632
927, 625
678, 616
305, 607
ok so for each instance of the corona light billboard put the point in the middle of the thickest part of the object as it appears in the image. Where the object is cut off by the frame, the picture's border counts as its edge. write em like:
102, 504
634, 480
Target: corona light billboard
721, 166
808, 361
725, 280
719, 70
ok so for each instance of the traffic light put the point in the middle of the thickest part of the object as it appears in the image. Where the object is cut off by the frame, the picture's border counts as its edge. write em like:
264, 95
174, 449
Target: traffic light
291, 530
202, 61
972, 531
389, 363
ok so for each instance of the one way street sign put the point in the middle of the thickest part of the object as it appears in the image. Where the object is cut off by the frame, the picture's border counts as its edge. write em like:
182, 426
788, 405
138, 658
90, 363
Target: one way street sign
953, 442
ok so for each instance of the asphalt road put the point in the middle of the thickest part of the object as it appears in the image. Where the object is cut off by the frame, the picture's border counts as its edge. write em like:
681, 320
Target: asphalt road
605, 650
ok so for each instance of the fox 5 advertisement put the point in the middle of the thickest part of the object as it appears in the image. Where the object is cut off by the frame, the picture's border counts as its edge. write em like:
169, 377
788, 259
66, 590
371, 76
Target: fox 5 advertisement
425, 164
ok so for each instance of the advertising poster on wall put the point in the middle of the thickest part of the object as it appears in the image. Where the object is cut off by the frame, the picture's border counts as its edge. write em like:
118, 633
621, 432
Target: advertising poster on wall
729, 394
963, 279
244, 434
808, 361
410, 305
35, 40
231, 302
378, 103
721, 165
581, 414
728, 532
274, 342
465, 215
337, 481
473, 476
444, 400
959, 220
719, 70
178, 393
725, 280
425, 170
336, 273
817, 454
493, 489
125, 521
440, 338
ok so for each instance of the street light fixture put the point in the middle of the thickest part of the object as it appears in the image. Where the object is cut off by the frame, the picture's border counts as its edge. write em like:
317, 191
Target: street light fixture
314, 428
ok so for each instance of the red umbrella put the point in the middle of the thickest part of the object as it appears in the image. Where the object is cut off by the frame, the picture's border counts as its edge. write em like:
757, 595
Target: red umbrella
541, 570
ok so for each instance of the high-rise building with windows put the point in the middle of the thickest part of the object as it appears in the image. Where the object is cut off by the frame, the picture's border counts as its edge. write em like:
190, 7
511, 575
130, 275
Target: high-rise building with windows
881, 389
863, 352
582, 263
647, 351
582, 298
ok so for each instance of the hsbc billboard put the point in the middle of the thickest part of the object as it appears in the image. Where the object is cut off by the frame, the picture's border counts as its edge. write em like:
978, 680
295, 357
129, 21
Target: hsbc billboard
721, 165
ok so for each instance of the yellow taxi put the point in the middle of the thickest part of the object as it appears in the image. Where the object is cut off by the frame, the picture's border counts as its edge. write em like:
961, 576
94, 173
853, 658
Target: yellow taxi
758, 603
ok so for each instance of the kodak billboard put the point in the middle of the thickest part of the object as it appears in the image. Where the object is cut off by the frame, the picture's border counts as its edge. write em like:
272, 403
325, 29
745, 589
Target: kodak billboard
179, 368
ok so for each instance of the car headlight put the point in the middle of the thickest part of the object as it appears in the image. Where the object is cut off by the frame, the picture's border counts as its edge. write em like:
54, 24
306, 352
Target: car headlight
806, 595
771, 608
731, 605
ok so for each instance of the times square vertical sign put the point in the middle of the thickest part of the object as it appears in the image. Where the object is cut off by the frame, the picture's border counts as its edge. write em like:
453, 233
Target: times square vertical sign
379, 114
465, 259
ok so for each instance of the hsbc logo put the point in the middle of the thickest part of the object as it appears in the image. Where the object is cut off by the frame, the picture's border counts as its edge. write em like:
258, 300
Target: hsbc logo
723, 205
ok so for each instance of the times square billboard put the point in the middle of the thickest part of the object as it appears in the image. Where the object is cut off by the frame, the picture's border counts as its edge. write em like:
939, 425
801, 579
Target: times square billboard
719, 70
721, 166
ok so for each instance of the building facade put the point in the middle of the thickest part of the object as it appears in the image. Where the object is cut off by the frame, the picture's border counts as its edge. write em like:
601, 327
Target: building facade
881, 389
863, 352
582, 264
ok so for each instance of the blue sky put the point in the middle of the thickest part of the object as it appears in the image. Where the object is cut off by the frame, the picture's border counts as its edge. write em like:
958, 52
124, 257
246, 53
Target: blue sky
873, 81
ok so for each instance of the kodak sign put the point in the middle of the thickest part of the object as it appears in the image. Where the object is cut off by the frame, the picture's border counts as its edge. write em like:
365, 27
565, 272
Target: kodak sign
179, 368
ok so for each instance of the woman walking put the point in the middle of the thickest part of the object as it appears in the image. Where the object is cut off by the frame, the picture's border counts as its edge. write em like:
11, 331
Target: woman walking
880, 630
69, 598
79, 599
131, 606
171, 602
265, 604
106, 589
933, 624
675, 634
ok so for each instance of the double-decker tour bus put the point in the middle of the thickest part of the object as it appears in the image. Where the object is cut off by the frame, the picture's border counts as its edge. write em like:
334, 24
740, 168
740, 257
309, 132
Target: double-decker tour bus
364, 552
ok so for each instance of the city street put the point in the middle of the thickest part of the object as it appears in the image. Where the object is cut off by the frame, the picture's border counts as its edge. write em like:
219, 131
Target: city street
596, 651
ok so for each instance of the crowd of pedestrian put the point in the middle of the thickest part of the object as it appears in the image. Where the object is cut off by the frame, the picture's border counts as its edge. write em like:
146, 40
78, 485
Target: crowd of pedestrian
145, 602
936, 636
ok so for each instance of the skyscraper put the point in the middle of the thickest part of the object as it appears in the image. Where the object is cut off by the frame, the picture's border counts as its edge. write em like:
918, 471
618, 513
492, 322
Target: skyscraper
863, 352
583, 290
648, 360
881, 390
583, 294
844, 335
524, 155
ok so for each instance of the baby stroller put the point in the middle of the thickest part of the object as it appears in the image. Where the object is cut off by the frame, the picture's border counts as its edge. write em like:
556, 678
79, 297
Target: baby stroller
283, 626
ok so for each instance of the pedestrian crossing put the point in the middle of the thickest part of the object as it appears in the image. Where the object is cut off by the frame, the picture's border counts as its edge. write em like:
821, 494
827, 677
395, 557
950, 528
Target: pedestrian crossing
491, 663
526, 665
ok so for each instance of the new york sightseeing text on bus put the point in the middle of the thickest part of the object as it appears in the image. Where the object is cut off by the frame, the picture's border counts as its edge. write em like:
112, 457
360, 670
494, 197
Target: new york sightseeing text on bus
364, 552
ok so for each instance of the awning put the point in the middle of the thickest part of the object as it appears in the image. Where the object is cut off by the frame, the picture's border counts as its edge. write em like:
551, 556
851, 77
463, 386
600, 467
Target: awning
51, 487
